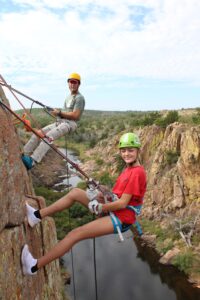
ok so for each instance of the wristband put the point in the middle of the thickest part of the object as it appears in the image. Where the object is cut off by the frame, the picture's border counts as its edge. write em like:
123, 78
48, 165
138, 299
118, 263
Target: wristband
60, 114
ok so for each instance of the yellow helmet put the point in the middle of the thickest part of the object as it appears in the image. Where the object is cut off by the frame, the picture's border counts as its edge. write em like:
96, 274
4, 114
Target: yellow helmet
75, 76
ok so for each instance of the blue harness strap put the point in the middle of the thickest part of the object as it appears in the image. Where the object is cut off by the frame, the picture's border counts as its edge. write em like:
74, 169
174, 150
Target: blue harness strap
124, 227
116, 222
137, 209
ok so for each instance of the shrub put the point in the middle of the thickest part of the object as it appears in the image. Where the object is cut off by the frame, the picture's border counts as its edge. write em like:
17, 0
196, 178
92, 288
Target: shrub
184, 261
171, 117
171, 157
106, 179
99, 161
120, 163
78, 211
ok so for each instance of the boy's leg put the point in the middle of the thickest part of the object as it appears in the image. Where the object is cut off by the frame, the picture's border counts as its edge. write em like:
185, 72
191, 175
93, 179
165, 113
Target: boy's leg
34, 140
98, 227
54, 133
31, 144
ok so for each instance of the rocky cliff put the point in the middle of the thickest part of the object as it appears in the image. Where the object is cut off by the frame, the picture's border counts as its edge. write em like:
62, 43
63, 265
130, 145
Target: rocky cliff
15, 190
171, 158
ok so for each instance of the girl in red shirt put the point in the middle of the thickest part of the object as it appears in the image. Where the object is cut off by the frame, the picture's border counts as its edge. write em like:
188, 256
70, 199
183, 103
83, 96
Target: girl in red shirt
118, 212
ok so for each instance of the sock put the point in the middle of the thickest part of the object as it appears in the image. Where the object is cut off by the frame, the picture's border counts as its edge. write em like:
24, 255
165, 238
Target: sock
37, 214
34, 269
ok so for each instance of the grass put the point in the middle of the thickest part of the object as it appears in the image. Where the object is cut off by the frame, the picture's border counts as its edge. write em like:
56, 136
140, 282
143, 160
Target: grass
165, 237
187, 262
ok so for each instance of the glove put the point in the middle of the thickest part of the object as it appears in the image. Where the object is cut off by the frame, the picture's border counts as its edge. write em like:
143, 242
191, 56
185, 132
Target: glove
95, 207
110, 197
92, 193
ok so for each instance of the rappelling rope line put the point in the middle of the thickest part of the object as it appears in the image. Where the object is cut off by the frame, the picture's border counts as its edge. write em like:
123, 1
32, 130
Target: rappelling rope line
70, 227
95, 268
12, 90
46, 108
74, 165
91, 182
94, 247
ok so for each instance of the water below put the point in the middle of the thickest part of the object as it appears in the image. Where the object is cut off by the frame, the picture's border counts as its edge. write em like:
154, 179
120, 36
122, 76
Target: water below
74, 177
124, 270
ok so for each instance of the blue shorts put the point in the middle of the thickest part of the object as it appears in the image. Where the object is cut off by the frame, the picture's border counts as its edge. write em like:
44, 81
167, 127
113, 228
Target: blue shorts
122, 226
117, 223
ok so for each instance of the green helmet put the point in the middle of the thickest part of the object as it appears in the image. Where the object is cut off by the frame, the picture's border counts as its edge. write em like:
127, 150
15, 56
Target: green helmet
130, 140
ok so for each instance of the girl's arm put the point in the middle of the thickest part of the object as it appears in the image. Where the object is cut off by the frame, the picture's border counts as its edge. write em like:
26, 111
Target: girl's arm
118, 204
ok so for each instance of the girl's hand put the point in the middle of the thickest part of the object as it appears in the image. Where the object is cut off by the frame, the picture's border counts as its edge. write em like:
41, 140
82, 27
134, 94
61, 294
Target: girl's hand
95, 207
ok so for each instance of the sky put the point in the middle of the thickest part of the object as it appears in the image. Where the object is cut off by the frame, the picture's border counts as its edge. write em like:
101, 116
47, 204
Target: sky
134, 55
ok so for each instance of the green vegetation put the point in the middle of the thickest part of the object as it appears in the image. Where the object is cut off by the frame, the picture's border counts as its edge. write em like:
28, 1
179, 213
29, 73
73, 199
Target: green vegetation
171, 117
120, 163
106, 179
171, 157
68, 219
187, 261
98, 126
165, 237
196, 118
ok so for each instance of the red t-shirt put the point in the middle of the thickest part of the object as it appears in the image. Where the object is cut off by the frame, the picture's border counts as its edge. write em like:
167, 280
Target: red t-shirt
131, 181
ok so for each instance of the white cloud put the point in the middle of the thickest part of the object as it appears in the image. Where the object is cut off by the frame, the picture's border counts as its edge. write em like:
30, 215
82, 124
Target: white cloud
101, 39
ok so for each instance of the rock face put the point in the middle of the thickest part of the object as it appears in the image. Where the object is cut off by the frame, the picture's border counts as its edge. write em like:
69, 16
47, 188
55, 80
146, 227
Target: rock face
171, 158
15, 190
173, 167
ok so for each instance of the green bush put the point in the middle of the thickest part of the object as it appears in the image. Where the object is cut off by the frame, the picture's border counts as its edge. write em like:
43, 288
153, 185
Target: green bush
196, 118
78, 210
99, 161
82, 185
106, 179
120, 163
171, 157
171, 117
184, 261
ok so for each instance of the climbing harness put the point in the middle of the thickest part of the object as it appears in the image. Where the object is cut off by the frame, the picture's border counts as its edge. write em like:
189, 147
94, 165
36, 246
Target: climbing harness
116, 223
110, 197
91, 182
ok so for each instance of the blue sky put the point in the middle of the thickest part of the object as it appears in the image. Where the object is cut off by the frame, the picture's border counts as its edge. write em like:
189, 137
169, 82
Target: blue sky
131, 54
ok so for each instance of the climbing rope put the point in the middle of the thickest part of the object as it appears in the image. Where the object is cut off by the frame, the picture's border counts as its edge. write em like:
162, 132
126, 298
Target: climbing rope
12, 90
46, 108
95, 268
70, 227
94, 244
91, 182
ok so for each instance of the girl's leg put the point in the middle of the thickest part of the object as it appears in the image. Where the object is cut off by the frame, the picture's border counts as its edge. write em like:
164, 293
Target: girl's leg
75, 195
98, 227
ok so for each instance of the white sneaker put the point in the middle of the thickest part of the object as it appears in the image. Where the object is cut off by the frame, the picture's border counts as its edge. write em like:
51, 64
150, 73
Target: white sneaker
27, 261
32, 219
